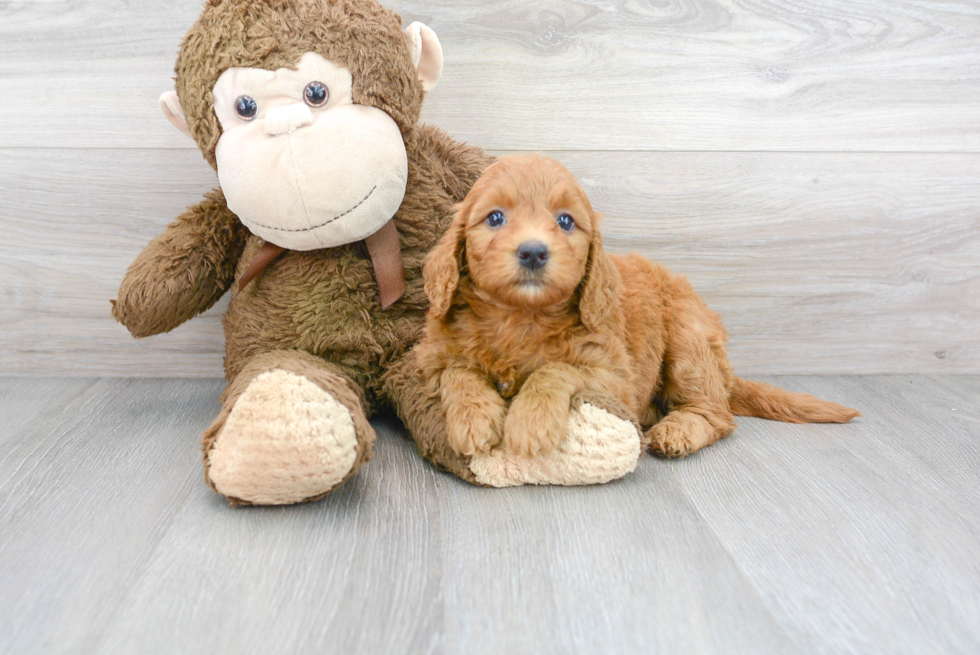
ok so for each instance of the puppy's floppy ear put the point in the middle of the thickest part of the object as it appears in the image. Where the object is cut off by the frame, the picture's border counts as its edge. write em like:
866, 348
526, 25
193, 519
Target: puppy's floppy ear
601, 285
443, 263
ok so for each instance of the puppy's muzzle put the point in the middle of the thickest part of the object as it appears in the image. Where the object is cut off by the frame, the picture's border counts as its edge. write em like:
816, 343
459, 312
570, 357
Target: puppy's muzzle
533, 255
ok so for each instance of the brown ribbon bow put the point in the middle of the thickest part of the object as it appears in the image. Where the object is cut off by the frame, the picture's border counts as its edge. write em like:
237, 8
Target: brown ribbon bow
386, 255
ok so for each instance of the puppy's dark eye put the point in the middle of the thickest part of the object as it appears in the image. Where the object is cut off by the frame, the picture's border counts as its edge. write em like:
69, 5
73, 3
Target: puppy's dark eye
246, 108
566, 222
316, 94
496, 218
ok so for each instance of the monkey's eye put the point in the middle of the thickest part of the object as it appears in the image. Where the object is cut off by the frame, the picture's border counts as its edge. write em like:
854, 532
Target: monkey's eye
316, 94
246, 108
496, 218
566, 222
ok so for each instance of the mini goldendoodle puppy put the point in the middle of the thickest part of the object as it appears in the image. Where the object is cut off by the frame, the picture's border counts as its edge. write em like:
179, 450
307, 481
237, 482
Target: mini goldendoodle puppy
528, 310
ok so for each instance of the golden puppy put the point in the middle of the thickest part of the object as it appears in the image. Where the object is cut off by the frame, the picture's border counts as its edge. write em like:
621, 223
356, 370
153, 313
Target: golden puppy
528, 310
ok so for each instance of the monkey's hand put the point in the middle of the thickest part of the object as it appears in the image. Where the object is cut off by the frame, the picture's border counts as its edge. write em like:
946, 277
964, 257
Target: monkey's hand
184, 271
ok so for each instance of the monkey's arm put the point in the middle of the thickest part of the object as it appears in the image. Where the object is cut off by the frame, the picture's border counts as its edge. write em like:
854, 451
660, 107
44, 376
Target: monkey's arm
184, 271
462, 163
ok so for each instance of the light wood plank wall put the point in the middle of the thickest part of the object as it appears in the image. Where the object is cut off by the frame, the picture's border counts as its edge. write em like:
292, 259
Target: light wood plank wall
812, 165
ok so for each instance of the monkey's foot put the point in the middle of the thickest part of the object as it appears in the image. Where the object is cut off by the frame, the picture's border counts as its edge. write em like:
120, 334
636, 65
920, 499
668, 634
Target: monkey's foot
598, 447
285, 441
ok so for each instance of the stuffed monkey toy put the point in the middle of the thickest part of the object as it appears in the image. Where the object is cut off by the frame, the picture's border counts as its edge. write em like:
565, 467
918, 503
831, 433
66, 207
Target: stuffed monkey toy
331, 195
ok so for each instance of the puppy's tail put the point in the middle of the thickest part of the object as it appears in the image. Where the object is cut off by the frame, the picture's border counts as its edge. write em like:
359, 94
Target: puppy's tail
766, 401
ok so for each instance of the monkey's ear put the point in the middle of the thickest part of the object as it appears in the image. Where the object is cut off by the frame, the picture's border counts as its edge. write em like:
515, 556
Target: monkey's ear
426, 52
172, 109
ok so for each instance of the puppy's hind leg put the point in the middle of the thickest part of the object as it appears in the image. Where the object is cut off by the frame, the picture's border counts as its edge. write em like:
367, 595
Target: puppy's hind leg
696, 384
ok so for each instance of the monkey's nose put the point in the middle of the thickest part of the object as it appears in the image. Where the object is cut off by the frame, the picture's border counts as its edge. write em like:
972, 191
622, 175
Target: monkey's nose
532, 255
283, 120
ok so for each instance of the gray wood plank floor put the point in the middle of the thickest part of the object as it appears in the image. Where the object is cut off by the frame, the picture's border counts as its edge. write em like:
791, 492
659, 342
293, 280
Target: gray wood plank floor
862, 538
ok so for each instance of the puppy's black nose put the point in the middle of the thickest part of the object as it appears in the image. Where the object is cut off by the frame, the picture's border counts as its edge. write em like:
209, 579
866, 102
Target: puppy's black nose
532, 254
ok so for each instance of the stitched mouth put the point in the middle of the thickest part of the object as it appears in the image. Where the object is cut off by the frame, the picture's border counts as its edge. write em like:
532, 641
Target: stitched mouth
325, 223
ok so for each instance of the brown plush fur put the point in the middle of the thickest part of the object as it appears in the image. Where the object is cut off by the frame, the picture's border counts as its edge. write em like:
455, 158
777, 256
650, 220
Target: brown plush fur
184, 271
507, 348
321, 308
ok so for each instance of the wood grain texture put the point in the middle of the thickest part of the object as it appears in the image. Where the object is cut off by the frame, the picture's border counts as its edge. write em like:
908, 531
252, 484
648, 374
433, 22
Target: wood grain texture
861, 538
357, 573
88, 488
596, 571
722, 137
808, 75
832, 555
821, 263
71, 232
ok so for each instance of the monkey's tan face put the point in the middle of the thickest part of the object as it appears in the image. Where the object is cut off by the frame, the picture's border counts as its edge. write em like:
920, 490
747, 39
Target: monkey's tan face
301, 165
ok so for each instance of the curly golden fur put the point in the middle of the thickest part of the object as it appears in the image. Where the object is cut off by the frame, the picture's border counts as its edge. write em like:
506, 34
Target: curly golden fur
509, 341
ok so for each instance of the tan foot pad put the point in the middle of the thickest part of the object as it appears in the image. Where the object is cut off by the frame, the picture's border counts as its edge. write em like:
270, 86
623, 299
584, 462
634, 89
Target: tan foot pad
285, 441
598, 448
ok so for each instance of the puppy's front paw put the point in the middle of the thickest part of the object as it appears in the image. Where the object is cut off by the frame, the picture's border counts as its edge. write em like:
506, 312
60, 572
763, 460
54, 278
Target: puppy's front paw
535, 424
475, 426
598, 447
